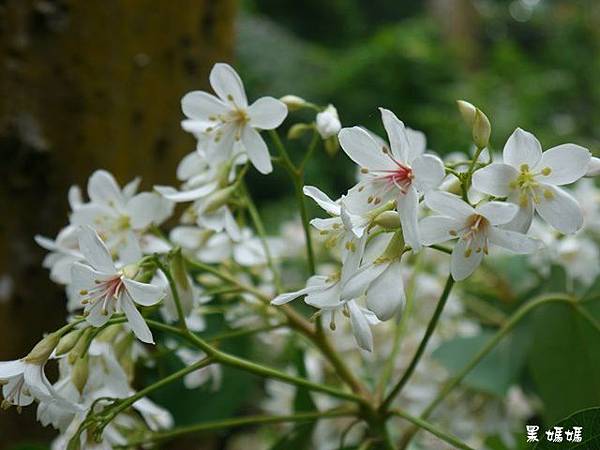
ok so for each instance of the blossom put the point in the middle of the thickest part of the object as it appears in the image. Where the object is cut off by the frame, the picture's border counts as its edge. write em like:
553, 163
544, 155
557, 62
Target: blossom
530, 179
120, 215
64, 251
397, 172
593, 168
103, 289
220, 122
475, 229
328, 122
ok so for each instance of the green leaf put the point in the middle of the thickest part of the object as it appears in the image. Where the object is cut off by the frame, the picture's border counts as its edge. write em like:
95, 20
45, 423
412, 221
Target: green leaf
589, 420
497, 371
565, 361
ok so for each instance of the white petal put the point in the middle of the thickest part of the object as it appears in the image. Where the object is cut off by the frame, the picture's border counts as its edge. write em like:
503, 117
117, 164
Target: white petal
187, 236
358, 283
314, 284
136, 321
407, 209
360, 327
396, 134
231, 226
436, 229
94, 250
322, 200
267, 113
429, 172
257, 150
593, 169
143, 294
522, 220
185, 196
362, 148
148, 208
498, 213
567, 162
495, 179
83, 277
461, 266
521, 148
327, 298
228, 86
9, 369
131, 188
325, 224
130, 253
89, 213
417, 143
191, 164
448, 205
386, 296
511, 240
96, 316
201, 105
102, 188
561, 210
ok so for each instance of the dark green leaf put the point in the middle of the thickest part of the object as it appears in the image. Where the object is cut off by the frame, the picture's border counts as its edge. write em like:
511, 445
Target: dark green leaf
589, 420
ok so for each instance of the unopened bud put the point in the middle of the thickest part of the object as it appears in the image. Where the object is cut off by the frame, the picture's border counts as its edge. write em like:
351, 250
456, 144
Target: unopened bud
297, 130
481, 130
328, 122
593, 167
293, 102
80, 373
467, 111
394, 249
68, 341
80, 348
43, 349
219, 198
389, 220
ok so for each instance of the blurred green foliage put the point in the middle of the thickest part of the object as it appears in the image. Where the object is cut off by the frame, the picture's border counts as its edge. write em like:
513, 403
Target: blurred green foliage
533, 64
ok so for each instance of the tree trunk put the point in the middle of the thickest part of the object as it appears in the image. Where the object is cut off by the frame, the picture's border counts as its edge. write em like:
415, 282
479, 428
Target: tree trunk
86, 85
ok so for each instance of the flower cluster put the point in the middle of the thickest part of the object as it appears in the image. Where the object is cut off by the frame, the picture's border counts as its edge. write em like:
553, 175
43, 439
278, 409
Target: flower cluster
130, 285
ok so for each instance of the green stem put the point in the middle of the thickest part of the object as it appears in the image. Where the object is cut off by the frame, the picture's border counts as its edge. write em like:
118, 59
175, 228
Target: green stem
258, 224
469, 174
239, 422
432, 429
174, 292
311, 149
430, 328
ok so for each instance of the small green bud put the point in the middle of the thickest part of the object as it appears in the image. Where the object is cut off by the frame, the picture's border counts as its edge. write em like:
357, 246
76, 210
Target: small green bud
481, 130
43, 349
389, 220
68, 341
80, 348
298, 130
80, 373
467, 111
293, 102
219, 198
332, 146
394, 249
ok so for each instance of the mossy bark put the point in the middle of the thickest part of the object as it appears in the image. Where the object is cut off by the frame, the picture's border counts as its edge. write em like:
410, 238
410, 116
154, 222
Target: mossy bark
86, 85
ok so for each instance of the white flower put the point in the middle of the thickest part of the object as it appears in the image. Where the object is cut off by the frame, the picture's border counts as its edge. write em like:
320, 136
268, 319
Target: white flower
593, 168
530, 179
64, 251
222, 122
328, 122
103, 289
397, 172
475, 228
327, 294
120, 216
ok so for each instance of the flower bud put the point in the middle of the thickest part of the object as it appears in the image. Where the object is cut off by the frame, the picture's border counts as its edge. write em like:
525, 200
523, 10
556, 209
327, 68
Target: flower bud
593, 167
389, 220
293, 102
80, 373
467, 111
219, 198
328, 122
481, 130
80, 348
43, 349
297, 130
394, 249
332, 146
67, 342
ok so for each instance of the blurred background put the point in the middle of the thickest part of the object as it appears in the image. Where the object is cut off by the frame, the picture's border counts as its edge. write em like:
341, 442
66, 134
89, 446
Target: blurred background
87, 85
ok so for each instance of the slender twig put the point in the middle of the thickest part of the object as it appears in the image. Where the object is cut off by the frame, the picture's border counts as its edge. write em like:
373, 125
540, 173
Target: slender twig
428, 332
447, 437
165, 270
239, 422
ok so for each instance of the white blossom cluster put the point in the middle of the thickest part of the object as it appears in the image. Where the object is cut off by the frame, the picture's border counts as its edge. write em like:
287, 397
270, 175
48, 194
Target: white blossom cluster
122, 274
